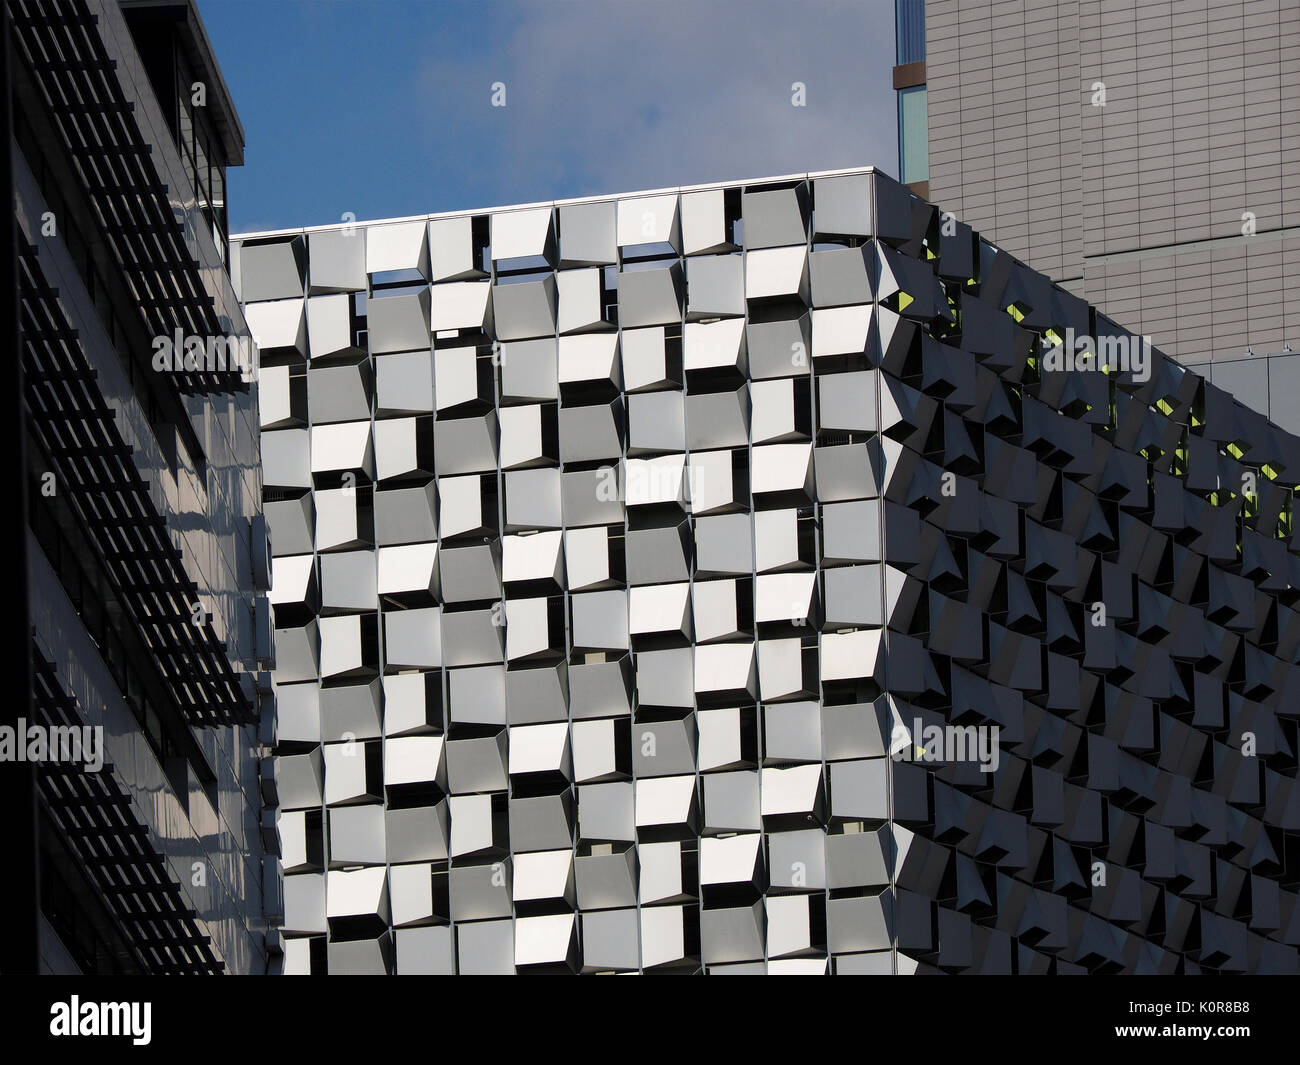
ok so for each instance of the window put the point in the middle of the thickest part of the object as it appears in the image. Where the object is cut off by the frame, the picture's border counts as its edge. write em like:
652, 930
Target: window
909, 16
201, 169
219, 208
913, 135
186, 140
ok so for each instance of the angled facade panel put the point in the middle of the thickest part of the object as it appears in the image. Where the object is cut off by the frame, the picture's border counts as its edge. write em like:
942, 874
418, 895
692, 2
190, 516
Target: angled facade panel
771, 578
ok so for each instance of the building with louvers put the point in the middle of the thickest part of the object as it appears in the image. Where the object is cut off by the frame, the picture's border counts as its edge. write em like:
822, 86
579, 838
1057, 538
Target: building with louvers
737, 579
147, 561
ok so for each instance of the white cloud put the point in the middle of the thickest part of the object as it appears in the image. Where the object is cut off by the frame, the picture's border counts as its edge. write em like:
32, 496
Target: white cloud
617, 95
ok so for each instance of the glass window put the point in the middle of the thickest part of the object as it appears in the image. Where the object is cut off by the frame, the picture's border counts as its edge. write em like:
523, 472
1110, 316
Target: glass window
909, 16
187, 119
187, 194
218, 191
92, 613
187, 132
70, 577
201, 167
913, 135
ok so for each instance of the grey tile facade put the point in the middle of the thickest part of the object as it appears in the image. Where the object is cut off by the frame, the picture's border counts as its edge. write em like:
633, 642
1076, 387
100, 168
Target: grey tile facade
1141, 204
727, 580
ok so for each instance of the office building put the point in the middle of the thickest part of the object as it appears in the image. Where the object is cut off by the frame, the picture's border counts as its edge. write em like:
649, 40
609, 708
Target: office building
1136, 152
136, 837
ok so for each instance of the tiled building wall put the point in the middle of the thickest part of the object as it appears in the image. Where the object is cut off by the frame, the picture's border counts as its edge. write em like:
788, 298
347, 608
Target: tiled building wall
619, 544
1002, 83
1137, 205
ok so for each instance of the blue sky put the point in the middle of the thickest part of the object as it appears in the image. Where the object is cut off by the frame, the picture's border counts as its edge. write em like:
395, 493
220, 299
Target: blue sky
384, 107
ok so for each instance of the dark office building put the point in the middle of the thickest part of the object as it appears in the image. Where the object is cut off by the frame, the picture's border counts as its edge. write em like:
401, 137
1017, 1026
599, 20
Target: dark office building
131, 777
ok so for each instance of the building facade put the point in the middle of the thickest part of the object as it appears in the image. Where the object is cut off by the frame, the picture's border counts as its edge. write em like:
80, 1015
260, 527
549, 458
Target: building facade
1137, 153
138, 754
740, 579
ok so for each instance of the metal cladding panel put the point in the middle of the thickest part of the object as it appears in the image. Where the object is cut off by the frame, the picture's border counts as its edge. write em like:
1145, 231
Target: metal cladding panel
839, 610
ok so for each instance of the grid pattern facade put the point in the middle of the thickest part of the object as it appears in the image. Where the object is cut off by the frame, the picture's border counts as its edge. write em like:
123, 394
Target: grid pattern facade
628, 553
